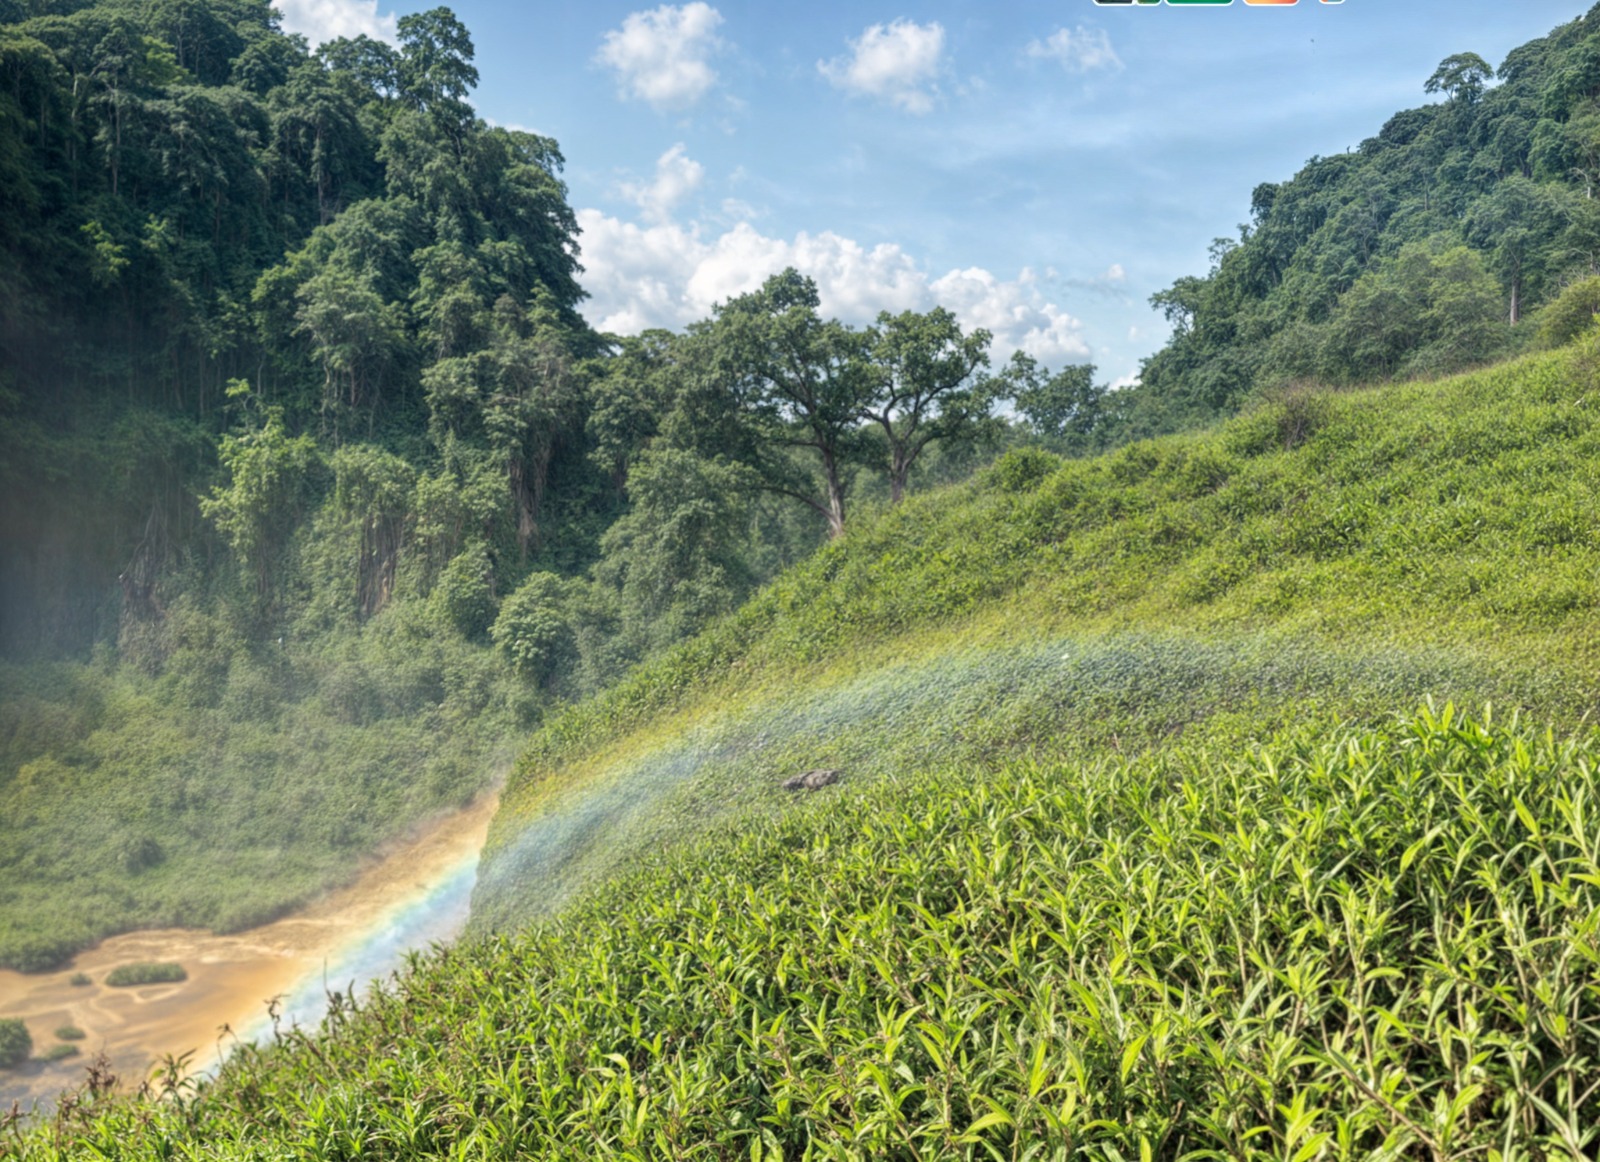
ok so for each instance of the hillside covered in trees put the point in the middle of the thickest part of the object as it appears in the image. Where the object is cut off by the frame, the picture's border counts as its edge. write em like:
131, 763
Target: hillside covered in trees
1439, 243
310, 461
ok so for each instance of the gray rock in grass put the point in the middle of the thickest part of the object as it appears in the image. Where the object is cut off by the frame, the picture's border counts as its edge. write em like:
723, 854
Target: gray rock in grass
812, 780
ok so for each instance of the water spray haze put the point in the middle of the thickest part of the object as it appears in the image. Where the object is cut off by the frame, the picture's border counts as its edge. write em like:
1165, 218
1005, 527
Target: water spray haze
592, 816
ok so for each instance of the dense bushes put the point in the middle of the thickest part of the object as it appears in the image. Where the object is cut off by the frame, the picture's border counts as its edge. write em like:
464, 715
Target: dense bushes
133, 975
15, 1043
1335, 941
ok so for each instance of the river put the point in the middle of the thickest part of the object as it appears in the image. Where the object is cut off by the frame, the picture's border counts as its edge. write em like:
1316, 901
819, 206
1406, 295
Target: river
414, 893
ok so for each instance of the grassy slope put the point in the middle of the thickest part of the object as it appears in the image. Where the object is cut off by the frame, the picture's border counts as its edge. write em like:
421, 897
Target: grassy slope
1435, 539
1063, 900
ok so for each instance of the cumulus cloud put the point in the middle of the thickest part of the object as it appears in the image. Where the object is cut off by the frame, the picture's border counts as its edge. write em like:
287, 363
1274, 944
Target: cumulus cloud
669, 275
898, 62
1081, 50
320, 21
1017, 312
677, 176
663, 56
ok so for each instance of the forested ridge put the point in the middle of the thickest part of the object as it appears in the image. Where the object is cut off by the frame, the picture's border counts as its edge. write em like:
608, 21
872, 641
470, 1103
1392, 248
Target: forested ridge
1440, 242
313, 469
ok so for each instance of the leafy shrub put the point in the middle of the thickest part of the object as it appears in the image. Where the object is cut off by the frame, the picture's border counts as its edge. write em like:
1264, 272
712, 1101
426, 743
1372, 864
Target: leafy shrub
130, 975
70, 1033
1023, 469
463, 599
1574, 311
15, 1043
81, 980
59, 1052
138, 853
1298, 409
532, 629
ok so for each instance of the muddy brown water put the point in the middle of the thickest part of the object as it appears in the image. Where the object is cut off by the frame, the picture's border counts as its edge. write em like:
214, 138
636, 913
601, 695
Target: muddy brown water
230, 978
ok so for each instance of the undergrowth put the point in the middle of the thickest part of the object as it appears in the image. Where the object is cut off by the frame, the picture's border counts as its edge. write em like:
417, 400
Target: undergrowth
1375, 943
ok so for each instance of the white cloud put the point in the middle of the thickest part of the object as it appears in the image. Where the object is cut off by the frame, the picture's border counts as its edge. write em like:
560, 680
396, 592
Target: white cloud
1081, 50
320, 21
1017, 312
663, 56
897, 62
669, 275
1115, 273
677, 176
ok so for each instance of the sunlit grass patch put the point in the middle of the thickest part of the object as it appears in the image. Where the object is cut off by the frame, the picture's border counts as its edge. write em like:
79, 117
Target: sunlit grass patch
1372, 942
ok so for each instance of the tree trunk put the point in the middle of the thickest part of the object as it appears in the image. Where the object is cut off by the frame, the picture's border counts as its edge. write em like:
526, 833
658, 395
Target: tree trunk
899, 472
1516, 301
835, 496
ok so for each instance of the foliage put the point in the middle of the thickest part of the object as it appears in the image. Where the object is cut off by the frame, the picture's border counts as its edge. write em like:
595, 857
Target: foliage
342, 739
1572, 313
531, 629
463, 598
1352, 270
16, 1045
1326, 942
131, 975
70, 1033
1278, 533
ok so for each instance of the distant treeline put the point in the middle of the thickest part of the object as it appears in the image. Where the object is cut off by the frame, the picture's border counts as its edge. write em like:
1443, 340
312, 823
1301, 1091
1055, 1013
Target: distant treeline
297, 331
1423, 251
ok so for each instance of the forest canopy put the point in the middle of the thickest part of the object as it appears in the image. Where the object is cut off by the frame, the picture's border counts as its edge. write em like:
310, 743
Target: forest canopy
1424, 250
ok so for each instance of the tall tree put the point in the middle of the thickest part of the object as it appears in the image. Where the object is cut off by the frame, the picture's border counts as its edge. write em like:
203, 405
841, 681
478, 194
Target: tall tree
803, 383
929, 387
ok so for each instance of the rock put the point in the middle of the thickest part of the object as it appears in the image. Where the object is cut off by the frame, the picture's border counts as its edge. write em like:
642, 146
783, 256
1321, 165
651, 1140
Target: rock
812, 780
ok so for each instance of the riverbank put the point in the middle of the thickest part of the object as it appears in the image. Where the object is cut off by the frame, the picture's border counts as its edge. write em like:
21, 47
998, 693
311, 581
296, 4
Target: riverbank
410, 895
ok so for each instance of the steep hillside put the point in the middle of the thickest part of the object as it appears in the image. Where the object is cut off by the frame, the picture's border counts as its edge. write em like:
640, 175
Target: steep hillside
1329, 554
1142, 847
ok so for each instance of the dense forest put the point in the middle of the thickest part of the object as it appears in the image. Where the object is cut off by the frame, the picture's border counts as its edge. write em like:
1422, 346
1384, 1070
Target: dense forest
311, 459
1439, 243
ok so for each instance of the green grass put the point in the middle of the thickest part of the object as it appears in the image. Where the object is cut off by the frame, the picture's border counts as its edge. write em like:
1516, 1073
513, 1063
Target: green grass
59, 1052
70, 1033
1380, 942
1350, 552
132, 975
1132, 857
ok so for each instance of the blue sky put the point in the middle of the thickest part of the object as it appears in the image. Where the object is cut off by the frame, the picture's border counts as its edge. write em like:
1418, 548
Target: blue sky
1041, 168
